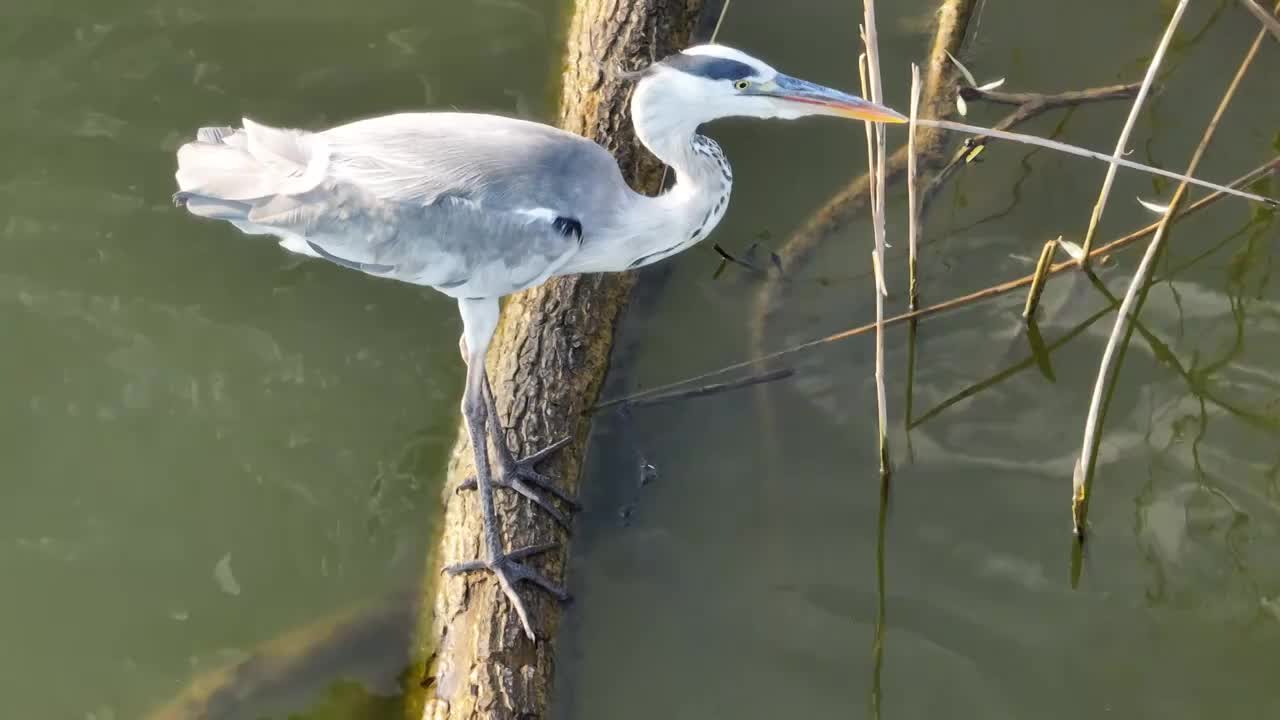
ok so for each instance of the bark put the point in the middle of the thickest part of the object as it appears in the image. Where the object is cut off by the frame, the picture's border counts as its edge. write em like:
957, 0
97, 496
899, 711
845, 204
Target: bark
546, 365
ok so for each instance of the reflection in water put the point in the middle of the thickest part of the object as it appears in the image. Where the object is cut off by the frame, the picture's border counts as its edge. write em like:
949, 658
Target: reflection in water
878, 637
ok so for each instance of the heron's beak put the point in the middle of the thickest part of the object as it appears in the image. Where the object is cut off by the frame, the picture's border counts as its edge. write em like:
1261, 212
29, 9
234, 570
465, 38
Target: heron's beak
831, 102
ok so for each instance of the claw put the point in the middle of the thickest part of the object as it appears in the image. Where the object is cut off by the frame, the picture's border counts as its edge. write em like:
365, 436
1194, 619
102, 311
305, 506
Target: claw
509, 571
546, 452
520, 476
517, 483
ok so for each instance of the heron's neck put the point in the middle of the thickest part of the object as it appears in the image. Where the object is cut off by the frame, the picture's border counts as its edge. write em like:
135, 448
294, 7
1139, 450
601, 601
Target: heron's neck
654, 228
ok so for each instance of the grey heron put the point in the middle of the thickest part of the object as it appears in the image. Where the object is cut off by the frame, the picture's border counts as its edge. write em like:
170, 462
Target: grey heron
481, 206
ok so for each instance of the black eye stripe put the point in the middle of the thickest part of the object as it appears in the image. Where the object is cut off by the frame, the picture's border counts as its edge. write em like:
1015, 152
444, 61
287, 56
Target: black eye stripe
710, 67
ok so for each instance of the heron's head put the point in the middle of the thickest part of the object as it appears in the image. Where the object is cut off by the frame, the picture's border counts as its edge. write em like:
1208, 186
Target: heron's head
707, 82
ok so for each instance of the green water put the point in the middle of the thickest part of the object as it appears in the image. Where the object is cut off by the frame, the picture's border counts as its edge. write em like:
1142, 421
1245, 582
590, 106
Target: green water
208, 444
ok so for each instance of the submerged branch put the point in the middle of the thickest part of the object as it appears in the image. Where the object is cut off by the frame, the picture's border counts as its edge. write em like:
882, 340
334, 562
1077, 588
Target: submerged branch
368, 641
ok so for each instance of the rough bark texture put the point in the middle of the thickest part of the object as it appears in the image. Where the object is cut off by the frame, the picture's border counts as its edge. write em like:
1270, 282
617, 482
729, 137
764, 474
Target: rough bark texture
546, 365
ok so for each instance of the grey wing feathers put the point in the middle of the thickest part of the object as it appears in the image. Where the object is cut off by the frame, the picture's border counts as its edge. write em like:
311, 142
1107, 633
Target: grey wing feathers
433, 198
499, 162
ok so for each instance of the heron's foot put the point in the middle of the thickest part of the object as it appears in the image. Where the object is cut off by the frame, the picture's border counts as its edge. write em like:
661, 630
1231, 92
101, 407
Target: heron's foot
509, 570
522, 476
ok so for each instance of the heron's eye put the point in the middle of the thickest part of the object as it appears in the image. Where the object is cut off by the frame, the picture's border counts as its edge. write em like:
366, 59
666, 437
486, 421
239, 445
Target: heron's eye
742, 84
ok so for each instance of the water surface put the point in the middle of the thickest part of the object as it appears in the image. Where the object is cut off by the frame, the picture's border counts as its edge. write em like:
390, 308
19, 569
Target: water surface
209, 445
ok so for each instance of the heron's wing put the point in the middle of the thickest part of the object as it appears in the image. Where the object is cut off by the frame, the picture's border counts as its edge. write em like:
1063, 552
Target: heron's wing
500, 163
430, 197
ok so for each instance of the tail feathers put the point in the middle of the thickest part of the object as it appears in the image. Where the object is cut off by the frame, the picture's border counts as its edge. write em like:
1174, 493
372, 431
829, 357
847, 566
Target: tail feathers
223, 171
219, 135
251, 163
215, 208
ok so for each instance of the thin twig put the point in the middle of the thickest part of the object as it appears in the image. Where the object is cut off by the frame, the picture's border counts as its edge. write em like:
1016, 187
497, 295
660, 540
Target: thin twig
1084, 152
1123, 141
1004, 288
1029, 105
704, 390
1268, 19
1082, 477
1069, 97
913, 202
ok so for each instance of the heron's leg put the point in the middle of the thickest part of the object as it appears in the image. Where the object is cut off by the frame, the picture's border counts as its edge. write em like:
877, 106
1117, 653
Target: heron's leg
522, 475
479, 319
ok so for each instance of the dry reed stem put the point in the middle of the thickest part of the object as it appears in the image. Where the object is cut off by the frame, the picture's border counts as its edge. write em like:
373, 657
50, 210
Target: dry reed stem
871, 133
1038, 279
881, 404
870, 39
1123, 141
878, 160
1082, 477
1267, 19
913, 202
